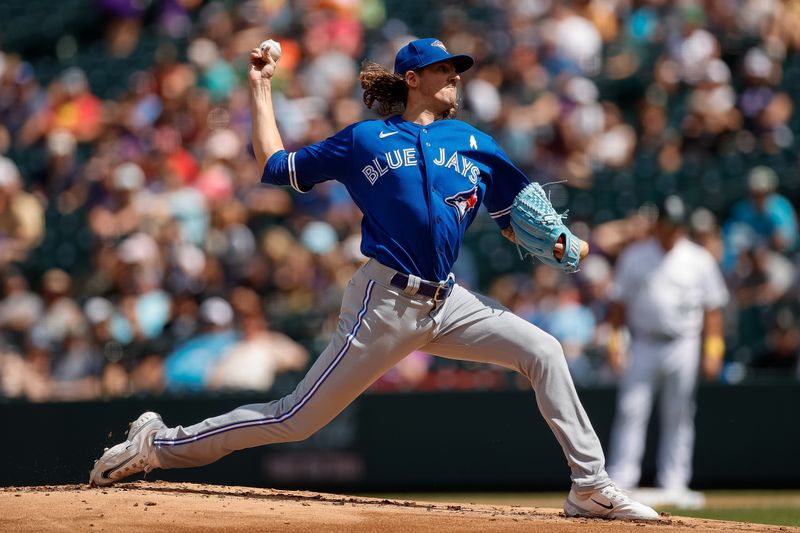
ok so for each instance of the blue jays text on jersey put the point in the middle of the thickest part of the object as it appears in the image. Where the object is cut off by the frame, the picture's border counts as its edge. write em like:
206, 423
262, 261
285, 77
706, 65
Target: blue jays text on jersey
418, 187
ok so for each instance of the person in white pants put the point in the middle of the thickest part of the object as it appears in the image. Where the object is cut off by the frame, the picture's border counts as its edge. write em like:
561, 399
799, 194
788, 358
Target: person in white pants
669, 292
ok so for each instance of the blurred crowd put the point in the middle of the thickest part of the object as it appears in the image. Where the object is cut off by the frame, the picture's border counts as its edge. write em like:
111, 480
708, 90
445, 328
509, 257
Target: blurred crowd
140, 254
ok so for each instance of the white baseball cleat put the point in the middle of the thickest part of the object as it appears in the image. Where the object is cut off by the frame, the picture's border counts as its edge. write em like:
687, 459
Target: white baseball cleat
608, 502
130, 457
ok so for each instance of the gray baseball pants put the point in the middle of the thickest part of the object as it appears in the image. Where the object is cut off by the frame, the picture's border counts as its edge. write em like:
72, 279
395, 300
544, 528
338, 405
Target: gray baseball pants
378, 326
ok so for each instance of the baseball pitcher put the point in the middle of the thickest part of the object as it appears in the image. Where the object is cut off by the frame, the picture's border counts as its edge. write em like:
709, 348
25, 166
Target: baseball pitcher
419, 179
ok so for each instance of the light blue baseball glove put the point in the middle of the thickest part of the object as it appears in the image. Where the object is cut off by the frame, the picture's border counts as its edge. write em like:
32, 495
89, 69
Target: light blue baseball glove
538, 228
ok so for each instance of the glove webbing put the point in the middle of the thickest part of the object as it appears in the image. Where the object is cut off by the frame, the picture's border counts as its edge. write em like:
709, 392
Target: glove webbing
550, 216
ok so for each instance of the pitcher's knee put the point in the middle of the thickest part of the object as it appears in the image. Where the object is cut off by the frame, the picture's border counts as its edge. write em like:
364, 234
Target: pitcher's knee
543, 354
302, 432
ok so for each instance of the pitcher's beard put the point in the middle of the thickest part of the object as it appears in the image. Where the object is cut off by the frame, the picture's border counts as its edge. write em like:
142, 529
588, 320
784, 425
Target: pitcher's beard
453, 111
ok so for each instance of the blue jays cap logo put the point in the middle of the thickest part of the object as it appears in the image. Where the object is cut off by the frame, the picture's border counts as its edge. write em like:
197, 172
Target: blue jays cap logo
463, 202
440, 44
423, 52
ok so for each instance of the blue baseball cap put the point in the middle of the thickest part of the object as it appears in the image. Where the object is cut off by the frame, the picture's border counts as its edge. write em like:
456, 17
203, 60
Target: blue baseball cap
423, 52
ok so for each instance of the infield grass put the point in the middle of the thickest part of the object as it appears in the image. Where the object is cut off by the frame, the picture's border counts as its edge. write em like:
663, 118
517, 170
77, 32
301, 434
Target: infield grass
780, 508
779, 516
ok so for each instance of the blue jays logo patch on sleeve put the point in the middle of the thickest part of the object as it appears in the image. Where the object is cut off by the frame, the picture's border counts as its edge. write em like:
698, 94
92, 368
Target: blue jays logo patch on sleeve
463, 202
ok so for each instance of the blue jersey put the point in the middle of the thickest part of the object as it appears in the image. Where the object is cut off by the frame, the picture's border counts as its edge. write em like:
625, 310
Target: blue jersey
418, 187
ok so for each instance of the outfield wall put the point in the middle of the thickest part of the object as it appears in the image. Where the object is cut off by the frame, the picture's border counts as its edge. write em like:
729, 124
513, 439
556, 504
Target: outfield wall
748, 436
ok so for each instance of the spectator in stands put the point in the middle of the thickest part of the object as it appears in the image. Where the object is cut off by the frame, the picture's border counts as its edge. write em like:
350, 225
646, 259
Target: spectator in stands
20, 377
114, 379
62, 170
70, 105
22, 98
594, 281
188, 367
614, 146
573, 324
576, 43
761, 278
704, 230
123, 24
122, 213
56, 349
253, 362
20, 309
765, 212
712, 103
21, 216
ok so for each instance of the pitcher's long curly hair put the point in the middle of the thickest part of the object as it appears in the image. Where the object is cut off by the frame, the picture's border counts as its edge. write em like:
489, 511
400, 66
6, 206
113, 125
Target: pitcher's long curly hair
389, 90
384, 87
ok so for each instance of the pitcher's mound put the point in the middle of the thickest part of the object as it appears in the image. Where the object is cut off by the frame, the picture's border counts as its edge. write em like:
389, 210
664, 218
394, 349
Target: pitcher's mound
184, 507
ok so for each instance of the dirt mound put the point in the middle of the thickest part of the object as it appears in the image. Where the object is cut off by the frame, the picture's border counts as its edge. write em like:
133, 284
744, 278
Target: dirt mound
184, 507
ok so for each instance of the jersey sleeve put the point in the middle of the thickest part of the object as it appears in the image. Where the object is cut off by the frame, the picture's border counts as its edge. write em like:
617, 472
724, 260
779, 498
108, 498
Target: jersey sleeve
715, 292
506, 182
620, 286
326, 160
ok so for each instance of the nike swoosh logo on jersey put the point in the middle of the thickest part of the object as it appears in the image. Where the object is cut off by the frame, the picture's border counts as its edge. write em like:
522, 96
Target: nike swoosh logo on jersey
609, 506
384, 134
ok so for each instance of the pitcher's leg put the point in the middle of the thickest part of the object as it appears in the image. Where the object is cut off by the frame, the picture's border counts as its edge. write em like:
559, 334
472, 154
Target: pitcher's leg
370, 339
476, 328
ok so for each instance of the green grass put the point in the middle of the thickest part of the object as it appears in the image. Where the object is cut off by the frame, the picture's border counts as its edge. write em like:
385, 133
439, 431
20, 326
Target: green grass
781, 508
779, 516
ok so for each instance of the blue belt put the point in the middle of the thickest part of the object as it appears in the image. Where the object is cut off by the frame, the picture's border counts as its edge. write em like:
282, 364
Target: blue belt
435, 291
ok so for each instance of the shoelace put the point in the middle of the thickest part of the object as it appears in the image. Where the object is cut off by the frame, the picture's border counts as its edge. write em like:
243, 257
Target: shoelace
612, 492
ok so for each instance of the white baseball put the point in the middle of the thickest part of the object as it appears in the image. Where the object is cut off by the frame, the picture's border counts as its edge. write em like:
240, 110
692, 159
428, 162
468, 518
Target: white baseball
274, 49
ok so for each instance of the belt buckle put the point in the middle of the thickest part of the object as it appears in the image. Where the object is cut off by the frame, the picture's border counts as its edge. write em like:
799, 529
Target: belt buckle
447, 285
436, 294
